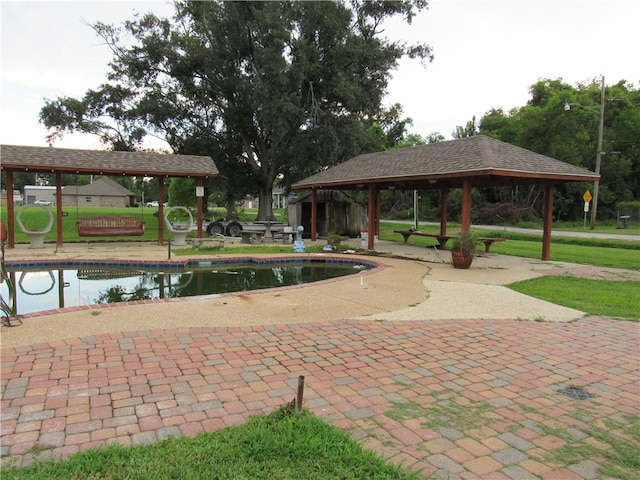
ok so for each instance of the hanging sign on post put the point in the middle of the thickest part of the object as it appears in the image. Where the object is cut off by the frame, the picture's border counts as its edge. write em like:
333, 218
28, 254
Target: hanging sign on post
199, 191
587, 198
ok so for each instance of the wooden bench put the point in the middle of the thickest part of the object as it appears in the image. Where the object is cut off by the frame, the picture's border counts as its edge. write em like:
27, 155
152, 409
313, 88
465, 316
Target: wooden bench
110, 226
488, 241
443, 239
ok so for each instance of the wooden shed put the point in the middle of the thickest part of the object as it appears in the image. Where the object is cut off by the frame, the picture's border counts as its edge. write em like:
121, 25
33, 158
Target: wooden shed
337, 212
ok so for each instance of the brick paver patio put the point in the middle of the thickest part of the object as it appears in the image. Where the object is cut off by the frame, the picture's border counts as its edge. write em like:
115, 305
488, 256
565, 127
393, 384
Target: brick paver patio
456, 398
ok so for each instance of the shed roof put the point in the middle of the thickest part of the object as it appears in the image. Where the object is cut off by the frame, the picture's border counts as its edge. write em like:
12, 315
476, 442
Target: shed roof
102, 162
488, 160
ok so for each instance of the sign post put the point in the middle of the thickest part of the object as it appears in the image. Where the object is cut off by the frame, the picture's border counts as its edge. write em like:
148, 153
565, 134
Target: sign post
587, 198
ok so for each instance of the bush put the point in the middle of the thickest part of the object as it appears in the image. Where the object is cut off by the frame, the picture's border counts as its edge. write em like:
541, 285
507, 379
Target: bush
503, 214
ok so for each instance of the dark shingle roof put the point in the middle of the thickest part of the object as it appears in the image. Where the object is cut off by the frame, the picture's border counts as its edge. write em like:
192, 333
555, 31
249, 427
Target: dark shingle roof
478, 156
66, 160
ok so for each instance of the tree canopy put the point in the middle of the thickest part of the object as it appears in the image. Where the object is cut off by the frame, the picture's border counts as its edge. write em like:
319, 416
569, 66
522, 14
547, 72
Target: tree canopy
268, 89
570, 133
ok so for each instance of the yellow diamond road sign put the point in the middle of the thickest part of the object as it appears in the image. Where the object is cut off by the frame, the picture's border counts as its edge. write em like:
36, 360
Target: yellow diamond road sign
587, 196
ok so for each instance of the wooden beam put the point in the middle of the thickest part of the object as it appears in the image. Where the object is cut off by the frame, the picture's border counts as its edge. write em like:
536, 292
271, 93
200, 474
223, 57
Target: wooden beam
314, 215
199, 204
11, 212
378, 214
160, 210
373, 200
59, 226
444, 210
547, 221
466, 205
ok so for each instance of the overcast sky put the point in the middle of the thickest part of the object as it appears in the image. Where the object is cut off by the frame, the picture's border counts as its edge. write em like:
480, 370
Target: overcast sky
487, 54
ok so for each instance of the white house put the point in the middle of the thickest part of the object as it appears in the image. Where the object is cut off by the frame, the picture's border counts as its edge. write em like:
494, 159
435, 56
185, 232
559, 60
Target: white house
36, 192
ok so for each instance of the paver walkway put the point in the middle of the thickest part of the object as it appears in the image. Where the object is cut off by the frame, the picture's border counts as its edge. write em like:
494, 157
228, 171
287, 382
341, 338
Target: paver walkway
457, 398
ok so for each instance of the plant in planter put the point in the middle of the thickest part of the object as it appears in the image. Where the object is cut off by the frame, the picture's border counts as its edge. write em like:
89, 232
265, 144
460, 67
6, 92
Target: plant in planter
334, 239
462, 250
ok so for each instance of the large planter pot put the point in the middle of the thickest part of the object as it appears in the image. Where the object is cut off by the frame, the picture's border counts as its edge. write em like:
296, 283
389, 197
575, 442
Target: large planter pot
461, 259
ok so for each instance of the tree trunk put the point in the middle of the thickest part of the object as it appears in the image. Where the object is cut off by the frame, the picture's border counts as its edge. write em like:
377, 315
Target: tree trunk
232, 211
265, 208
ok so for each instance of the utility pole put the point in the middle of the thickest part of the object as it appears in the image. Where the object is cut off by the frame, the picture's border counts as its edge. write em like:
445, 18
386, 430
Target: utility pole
596, 183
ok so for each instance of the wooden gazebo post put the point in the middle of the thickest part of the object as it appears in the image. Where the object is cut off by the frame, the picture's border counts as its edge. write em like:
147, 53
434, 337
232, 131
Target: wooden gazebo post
378, 215
11, 228
314, 214
59, 226
466, 205
373, 202
547, 221
199, 204
444, 210
161, 210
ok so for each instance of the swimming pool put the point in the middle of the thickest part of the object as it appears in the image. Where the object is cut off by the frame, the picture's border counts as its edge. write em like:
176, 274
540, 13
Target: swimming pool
49, 286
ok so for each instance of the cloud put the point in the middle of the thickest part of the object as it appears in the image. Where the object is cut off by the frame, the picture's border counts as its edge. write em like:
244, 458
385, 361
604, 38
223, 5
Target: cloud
487, 54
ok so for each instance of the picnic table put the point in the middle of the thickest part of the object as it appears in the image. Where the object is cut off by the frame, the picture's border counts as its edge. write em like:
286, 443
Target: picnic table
264, 231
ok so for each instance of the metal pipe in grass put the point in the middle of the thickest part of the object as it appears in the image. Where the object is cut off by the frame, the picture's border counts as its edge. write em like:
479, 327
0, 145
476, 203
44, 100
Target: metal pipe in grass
299, 395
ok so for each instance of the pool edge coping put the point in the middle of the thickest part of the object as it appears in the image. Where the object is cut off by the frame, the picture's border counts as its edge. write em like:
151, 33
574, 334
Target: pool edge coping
231, 260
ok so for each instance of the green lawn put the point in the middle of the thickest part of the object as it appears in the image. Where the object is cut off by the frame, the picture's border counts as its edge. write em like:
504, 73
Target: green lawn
277, 446
604, 253
601, 227
596, 297
37, 218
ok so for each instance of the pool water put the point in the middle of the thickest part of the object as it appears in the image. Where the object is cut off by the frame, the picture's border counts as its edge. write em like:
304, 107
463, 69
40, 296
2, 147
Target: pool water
65, 285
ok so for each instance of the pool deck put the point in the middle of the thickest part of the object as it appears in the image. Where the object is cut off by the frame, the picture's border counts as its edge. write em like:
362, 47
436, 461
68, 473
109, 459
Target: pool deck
384, 354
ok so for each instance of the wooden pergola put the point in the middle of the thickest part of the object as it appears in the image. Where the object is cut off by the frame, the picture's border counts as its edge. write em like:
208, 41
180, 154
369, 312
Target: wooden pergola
479, 161
16, 158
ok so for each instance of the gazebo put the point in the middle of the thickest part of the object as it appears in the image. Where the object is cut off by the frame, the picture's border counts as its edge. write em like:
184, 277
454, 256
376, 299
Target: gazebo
16, 158
478, 161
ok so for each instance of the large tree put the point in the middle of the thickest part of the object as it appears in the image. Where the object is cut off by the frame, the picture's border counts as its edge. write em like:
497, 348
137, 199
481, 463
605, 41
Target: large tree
267, 89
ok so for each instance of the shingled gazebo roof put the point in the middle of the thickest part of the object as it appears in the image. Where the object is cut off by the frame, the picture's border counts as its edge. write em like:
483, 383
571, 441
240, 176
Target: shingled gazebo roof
66, 160
489, 161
